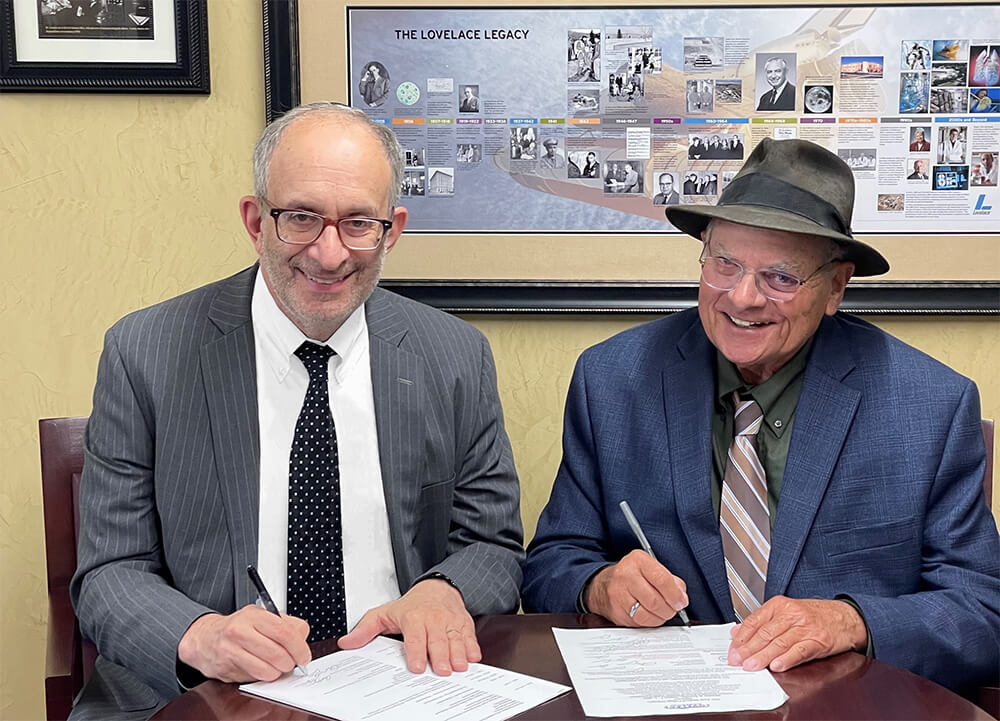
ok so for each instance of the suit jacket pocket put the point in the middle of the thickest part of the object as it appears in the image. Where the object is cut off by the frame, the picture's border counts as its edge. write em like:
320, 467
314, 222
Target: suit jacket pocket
843, 539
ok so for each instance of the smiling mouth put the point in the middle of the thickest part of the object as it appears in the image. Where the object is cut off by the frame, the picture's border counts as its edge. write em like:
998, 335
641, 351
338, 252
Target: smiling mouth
325, 281
739, 323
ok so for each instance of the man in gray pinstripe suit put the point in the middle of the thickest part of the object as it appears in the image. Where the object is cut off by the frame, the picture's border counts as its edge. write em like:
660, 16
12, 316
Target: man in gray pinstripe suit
179, 493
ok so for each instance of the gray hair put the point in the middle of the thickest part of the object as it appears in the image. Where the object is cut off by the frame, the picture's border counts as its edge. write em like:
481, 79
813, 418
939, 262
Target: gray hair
271, 135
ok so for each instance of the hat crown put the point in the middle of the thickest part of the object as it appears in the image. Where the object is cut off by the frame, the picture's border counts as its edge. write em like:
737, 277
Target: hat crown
807, 166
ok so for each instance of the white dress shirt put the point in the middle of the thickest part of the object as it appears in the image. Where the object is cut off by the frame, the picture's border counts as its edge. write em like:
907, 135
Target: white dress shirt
369, 569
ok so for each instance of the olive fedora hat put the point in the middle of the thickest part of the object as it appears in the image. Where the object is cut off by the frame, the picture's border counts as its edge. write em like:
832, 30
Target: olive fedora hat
791, 185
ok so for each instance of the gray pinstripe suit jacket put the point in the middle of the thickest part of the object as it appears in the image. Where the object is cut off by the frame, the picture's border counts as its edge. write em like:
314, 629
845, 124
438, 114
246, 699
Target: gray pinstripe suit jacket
169, 495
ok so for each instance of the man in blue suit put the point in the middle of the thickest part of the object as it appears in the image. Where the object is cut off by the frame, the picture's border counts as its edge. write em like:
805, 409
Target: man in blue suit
864, 457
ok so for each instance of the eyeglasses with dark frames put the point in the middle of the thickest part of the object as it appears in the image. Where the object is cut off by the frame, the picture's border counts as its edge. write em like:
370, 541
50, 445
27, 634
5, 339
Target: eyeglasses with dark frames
774, 284
302, 227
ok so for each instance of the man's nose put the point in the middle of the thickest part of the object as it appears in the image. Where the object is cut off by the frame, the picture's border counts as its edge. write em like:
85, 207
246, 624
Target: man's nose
328, 248
747, 292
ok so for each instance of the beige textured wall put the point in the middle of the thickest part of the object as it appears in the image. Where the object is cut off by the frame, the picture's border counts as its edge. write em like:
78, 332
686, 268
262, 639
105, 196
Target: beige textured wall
110, 203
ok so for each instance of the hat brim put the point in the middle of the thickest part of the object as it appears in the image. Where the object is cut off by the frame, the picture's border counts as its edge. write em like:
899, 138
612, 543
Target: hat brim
695, 218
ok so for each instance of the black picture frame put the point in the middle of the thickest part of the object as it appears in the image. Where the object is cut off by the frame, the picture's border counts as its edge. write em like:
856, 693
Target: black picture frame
189, 73
282, 92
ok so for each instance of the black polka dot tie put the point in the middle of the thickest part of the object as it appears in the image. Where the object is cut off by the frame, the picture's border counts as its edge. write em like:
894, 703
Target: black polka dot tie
315, 546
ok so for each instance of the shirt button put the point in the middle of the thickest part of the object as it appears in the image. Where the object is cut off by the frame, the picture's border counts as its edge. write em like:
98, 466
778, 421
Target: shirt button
777, 423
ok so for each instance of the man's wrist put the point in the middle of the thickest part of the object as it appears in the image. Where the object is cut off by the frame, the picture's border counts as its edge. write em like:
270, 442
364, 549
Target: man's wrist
861, 645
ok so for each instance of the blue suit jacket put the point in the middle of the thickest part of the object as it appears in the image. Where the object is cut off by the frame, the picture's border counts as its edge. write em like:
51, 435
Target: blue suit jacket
881, 498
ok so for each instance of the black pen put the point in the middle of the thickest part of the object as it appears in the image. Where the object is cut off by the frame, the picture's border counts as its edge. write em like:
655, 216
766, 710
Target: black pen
266, 599
633, 523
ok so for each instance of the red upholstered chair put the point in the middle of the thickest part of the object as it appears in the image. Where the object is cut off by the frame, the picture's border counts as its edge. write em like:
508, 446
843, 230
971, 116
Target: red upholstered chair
68, 658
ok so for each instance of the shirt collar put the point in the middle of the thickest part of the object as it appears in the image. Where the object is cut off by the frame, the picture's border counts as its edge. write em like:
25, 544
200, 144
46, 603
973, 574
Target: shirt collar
770, 395
279, 337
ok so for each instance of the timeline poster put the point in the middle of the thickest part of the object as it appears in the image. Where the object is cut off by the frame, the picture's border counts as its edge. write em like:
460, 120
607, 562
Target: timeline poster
594, 119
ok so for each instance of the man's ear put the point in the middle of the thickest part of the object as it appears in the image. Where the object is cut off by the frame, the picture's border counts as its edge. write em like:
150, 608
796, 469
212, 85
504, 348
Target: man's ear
399, 215
838, 284
250, 212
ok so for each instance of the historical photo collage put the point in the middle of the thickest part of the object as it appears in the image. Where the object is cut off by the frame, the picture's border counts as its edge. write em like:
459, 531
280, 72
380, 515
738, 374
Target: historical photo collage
649, 121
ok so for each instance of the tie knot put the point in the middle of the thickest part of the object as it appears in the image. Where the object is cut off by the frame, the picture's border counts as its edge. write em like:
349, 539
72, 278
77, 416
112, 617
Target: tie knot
314, 357
748, 416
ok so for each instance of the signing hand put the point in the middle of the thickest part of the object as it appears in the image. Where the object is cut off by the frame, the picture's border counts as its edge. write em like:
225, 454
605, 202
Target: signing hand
249, 645
434, 623
637, 577
786, 632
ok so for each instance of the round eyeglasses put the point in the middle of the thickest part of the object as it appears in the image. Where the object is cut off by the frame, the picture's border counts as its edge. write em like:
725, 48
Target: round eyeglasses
302, 227
773, 283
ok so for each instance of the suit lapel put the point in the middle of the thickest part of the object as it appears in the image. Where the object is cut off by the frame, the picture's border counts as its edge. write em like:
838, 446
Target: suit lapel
823, 418
229, 373
397, 380
688, 414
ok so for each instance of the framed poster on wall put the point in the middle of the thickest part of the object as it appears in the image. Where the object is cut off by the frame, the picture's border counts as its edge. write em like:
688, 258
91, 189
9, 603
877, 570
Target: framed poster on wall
543, 143
106, 46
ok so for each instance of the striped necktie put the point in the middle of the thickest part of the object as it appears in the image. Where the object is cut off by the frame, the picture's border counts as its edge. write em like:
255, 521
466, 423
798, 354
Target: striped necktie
744, 519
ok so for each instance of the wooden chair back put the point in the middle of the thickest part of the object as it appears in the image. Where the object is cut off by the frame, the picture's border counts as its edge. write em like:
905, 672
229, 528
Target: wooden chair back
69, 659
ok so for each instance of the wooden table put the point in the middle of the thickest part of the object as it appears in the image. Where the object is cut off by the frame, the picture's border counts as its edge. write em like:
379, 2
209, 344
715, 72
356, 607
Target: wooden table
841, 688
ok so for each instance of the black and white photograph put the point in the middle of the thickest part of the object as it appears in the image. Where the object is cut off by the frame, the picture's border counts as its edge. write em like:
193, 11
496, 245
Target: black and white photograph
818, 99
374, 84
553, 157
715, 146
948, 75
699, 96
103, 19
413, 157
702, 54
440, 181
859, 159
728, 91
468, 99
523, 144
624, 176
584, 53
949, 100
120, 46
646, 60
775, 82
698, 182
583, 164
413, 182
667, 189
626, 87
468, 153
583, 102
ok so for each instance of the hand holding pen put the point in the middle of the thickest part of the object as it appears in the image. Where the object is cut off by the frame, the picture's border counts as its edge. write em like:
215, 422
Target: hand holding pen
633, 523
249, 644
266, 600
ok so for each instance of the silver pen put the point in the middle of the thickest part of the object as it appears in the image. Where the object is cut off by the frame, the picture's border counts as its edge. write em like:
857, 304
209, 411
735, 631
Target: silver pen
633, 523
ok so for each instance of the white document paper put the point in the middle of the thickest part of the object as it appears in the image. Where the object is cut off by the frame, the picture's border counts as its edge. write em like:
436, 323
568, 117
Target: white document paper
373, 683
661, 671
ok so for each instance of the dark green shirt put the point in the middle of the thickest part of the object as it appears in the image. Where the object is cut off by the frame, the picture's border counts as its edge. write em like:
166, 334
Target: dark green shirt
777, 397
